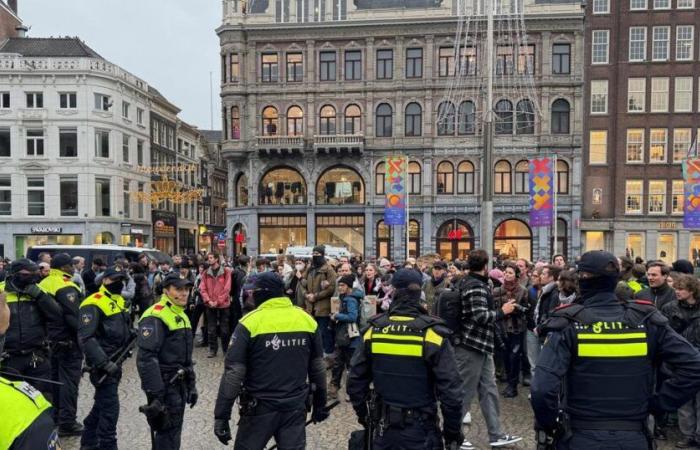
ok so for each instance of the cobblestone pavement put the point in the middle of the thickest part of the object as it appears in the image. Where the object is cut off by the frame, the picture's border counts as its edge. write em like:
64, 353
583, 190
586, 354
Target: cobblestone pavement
198, 432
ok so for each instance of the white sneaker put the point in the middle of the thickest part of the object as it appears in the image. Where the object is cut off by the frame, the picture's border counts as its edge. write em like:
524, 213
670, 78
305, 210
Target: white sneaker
506, 439
466, 445
467, 419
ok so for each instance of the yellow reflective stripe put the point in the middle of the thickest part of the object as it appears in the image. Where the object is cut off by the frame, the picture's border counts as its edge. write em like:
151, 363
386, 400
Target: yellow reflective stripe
399, 337
368, 335
381, 348
613, 336
401, 318
433, 337
613, 350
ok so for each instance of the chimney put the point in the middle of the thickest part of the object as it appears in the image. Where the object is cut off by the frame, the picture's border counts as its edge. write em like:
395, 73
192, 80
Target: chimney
22, 31
13, 5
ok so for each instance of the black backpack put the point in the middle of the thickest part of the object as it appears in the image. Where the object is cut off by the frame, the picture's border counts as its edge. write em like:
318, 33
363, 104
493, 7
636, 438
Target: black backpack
449, 308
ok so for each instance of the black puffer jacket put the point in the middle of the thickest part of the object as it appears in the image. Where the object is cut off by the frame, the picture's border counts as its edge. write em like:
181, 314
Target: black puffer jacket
660, 295
684, 319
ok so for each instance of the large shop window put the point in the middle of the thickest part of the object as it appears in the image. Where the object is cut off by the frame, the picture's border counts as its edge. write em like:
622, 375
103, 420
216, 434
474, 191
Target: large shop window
342, 231
455, 239
666, 247
513, 240
383, 240
694, 253
282, 186
340, 186
242, 190
413, 239
634, 245
279, 232
240, 240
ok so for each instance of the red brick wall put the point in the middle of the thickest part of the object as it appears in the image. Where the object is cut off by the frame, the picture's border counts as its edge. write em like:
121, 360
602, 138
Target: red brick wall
8, 22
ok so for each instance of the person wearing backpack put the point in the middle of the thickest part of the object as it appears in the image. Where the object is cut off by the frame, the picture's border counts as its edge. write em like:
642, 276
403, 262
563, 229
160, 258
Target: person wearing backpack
347, 332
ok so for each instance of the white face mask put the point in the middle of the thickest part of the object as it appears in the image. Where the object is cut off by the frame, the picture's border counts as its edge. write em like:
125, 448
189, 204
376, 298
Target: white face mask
299, 267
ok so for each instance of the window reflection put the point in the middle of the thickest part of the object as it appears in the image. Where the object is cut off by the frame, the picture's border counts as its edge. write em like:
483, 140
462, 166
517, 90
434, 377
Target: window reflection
340, 186
282, 186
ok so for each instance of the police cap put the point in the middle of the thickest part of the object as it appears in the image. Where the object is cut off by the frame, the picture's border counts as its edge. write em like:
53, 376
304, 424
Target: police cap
269, 281
61, 260
23, 264
173, 279
403, 278
599, 262
114, 274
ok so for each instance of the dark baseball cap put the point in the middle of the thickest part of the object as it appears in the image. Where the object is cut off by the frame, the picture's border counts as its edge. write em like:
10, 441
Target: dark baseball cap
440, 265
114, 274
599, 262
403, 278
174, 279
23, 264
61, 260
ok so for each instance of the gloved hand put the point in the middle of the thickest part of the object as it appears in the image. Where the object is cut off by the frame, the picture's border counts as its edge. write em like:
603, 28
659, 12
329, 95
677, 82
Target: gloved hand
192, 397
33, 291
319, 414
222, 430
110, 368
453, 439
156, 414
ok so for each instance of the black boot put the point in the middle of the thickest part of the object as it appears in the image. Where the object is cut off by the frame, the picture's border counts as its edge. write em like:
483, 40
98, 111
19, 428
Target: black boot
510, 392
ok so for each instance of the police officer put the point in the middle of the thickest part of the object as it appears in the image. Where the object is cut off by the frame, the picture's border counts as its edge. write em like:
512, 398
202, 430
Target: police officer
32, 312
273, 350
66, 357
164, 362
407, 357
105, 330
606, 351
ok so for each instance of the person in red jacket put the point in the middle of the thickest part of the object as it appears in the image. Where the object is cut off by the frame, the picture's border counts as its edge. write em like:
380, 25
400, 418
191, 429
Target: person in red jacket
215, 289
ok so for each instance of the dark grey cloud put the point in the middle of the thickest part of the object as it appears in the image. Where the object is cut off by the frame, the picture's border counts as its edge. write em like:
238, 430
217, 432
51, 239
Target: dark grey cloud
169, 43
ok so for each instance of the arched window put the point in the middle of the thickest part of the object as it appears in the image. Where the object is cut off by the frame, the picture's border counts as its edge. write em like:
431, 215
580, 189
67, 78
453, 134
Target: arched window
239, 240
525, 117
414, 120
242, 190
340, 185
235, 123
446, 119
282, 186
455, 239
413, 239
380, 180
328, 120
504, 117
270, 121
513, 240
465, 178
445, 178
383, 240
384, 121
467, 118
414, 178
104, 237
560, 116
295, 121
353, 120
562, 177
502, 178
522, 177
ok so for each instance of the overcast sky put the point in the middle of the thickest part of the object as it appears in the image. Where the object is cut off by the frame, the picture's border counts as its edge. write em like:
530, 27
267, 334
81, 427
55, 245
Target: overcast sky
169, 43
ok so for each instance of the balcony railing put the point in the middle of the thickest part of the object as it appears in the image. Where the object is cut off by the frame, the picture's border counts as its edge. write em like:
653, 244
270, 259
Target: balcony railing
281, 144
339, 143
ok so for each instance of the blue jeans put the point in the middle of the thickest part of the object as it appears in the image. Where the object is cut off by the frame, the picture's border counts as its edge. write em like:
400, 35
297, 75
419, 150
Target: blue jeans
327, 335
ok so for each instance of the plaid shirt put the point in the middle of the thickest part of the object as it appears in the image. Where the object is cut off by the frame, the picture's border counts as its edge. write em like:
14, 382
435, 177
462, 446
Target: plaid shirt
478, 314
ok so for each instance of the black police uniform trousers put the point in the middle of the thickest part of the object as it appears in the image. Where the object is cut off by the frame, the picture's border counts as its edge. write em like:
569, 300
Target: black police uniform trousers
40, 435
35, 364
421, 434
66, 368
101, 423
605, 440
287, 427
169, 437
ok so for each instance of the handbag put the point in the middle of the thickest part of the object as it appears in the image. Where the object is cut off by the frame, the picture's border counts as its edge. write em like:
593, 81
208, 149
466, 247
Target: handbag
353, 330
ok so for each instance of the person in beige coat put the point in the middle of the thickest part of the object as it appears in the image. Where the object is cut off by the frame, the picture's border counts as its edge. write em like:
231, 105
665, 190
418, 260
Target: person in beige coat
317, 289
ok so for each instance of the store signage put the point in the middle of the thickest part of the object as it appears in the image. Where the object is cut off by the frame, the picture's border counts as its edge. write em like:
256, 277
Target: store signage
164, 223
667, 225
46, 230
136, 231
455, 235
240, 238
541, 192
395, 187
691, 204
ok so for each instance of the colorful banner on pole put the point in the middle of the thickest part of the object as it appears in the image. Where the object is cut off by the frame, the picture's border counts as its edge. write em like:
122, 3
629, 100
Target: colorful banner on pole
541, 192
691, 202
395, 187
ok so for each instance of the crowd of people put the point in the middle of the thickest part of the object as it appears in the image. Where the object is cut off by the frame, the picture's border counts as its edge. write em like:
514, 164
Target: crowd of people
496, 322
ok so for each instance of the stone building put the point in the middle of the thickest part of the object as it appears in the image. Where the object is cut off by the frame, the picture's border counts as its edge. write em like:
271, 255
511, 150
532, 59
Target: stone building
316, 93
642, 114
73, 130
213, 205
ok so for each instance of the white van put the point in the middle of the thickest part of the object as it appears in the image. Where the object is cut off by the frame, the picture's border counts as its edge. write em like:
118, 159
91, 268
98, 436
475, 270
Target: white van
108, 253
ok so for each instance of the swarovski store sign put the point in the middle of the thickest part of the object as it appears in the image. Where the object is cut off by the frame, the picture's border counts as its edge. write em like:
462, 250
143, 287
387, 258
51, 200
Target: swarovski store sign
46, 229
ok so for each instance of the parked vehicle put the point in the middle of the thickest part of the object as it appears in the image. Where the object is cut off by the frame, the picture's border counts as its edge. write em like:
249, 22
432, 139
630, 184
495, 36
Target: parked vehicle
108, 253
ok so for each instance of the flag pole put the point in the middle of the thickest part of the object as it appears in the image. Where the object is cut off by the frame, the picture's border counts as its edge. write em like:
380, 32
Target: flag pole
408, 197
555, 183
